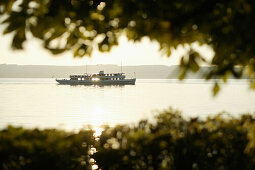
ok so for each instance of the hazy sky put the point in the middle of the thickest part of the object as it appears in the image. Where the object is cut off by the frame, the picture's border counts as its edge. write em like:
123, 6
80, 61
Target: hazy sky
129, 53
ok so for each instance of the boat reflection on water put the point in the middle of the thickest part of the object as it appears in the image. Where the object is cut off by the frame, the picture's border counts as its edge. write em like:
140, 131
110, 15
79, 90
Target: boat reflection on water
97, 85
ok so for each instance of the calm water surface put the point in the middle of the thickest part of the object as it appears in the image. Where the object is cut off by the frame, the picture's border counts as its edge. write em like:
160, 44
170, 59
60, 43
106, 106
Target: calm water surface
45, 104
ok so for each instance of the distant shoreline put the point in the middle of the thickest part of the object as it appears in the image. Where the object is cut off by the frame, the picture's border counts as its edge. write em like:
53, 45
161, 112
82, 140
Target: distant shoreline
140, 71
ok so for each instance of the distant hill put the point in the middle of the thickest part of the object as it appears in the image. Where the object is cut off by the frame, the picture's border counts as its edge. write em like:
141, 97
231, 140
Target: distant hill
142, 71
175, 72
203, 71
45, 71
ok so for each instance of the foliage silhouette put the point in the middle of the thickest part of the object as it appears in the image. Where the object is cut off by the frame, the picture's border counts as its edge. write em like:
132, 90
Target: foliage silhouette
44, 149
83, 25
169, 142
172, 142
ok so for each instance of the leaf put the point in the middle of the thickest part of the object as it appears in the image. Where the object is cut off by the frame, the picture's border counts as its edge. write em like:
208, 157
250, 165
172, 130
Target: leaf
193, 56
252, 84
56, 50
82, 50
9, 5
18, 39
183, 74
225, 77
72, 40
216, 89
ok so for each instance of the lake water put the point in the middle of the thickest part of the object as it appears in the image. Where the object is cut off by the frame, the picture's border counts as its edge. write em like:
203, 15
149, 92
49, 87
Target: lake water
45, 104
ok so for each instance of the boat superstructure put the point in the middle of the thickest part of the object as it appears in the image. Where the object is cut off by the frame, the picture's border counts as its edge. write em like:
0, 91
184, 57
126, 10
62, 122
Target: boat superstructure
100, 78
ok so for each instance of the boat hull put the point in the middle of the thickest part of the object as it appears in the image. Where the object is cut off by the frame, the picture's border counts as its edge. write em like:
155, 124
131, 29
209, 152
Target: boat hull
90, 82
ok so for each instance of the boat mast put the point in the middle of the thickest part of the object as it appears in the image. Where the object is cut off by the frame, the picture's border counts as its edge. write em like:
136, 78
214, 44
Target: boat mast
121, 66
86, 68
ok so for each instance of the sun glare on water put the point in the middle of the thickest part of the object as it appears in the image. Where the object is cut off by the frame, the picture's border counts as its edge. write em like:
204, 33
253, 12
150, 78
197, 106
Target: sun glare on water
95, 119
95, 79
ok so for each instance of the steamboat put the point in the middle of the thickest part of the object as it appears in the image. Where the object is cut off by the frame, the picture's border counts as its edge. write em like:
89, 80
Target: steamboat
100, 78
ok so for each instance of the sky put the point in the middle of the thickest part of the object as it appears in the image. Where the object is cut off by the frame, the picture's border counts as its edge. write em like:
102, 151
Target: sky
126, 53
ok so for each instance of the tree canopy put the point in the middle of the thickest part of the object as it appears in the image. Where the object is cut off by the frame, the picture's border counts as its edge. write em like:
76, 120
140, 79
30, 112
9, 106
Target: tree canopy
83, 25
